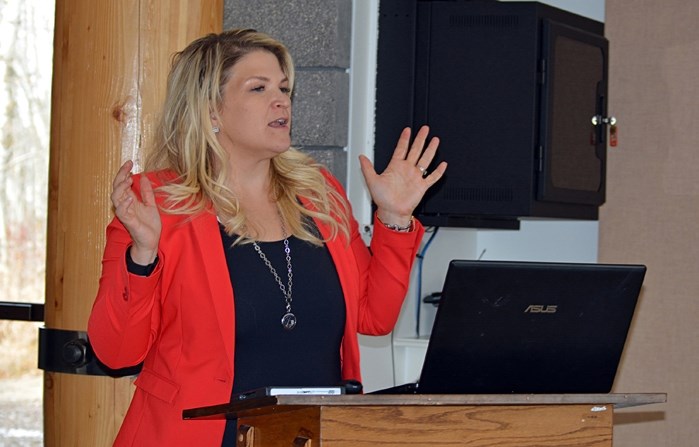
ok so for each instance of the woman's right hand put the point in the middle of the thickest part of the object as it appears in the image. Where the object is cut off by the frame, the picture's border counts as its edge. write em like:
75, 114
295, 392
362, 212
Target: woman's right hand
140, 217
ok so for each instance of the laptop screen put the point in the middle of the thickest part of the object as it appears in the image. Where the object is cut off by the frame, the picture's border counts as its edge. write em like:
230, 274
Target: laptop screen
530, 327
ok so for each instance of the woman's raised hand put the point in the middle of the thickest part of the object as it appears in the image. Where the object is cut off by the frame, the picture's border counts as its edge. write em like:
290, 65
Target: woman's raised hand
400, 187
140, 217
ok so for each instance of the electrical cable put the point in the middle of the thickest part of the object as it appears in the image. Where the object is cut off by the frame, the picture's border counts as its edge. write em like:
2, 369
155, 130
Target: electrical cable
420, 258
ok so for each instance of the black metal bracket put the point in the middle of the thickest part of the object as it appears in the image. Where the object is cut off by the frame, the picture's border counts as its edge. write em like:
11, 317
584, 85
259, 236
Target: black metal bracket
67, 351
10, 310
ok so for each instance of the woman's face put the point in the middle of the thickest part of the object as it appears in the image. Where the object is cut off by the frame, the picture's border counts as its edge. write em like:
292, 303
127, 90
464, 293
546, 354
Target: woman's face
256, 110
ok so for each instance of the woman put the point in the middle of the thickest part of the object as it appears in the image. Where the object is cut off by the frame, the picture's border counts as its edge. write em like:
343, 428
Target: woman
234, 262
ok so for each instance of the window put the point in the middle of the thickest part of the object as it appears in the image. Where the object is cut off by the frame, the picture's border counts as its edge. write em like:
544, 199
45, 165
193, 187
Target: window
26, 49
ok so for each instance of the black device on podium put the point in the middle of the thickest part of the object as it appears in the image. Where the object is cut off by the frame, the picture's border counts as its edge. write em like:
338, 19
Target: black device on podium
506, 327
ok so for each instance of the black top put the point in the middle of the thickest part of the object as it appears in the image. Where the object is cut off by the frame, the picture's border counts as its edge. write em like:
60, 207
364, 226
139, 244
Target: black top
266, 353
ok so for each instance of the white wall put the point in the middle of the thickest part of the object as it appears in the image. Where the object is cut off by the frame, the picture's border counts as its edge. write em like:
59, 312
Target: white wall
593, 9
397, 358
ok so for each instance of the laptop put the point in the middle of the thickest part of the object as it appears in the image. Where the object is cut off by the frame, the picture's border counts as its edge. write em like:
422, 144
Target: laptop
506, 327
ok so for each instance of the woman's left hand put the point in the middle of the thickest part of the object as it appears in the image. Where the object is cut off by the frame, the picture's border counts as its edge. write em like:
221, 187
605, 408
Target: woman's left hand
400, 187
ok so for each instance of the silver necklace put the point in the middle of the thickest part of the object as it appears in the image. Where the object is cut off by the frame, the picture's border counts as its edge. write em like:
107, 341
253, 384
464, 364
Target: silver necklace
288, 319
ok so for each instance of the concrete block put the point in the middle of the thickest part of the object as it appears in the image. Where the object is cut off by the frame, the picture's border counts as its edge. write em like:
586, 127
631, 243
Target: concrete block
317, 32
320, 108
334, 158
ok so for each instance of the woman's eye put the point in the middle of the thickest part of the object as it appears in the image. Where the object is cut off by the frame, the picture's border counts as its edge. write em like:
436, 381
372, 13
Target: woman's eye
260, 88
285, 90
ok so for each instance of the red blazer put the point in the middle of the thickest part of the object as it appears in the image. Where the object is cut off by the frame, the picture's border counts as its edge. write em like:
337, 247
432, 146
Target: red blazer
179, 321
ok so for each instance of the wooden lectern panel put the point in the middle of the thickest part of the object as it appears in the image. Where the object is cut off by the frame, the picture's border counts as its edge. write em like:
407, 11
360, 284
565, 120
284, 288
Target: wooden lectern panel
475, 420
291, 428
401, 426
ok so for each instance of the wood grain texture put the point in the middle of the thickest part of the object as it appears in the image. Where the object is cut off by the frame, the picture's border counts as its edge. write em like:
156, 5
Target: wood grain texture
268, 404
504, 426
399, 426
283, 428
110, 64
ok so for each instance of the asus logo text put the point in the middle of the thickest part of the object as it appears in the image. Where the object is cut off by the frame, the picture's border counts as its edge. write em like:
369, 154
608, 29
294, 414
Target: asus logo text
541, 309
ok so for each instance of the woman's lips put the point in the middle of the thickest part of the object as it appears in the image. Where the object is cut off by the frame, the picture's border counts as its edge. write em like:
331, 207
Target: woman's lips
280, 122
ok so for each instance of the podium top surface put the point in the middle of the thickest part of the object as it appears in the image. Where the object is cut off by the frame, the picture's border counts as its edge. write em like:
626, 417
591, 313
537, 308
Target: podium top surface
273, 403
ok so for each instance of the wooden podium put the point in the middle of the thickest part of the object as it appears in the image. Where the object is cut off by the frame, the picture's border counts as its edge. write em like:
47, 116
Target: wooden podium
521, 420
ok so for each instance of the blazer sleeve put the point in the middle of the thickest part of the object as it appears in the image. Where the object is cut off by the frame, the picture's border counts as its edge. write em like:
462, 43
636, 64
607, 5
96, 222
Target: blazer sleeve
125, 315
386, 276
383, 273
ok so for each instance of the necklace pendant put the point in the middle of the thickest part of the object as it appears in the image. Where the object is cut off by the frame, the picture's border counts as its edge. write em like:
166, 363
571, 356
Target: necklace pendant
289, 321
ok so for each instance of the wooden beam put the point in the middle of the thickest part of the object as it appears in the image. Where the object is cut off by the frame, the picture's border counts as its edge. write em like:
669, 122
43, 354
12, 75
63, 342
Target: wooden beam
110, 65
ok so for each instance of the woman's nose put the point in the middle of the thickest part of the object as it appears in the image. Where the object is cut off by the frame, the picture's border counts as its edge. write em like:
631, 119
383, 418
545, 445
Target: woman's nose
283, 101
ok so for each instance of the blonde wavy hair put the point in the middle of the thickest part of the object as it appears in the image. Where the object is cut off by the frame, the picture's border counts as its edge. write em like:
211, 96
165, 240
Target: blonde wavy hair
186, 144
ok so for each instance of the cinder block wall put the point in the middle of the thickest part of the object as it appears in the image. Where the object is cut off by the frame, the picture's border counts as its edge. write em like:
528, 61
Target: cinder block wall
318, 35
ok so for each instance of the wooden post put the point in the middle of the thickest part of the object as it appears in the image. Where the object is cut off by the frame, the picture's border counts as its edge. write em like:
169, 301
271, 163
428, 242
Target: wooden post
110, 65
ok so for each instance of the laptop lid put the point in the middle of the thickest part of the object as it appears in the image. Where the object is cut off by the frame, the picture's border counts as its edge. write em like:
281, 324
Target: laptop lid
530, 327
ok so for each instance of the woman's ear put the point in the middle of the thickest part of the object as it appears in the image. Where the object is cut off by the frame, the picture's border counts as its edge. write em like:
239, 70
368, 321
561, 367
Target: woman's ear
214, 123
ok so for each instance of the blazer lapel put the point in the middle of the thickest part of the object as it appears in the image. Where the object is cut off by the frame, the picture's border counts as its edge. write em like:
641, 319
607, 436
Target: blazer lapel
210, 246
